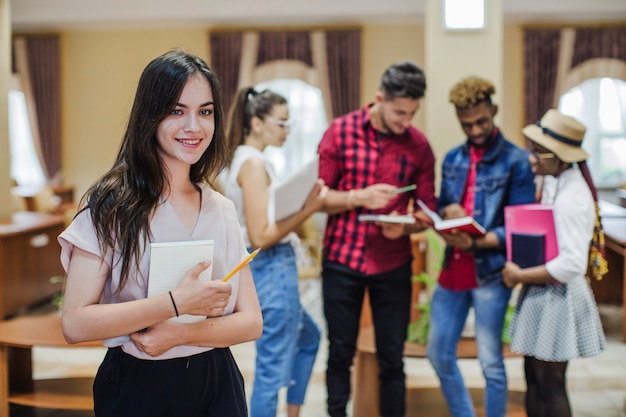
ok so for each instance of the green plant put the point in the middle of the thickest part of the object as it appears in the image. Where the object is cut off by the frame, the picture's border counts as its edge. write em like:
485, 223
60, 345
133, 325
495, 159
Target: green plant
418, 329
57, 297
507, 320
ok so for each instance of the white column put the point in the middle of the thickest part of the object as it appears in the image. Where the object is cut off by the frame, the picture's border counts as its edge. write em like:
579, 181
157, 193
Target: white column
451, 56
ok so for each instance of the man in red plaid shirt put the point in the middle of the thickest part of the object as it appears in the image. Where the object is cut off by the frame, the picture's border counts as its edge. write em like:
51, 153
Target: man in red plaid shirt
364, 157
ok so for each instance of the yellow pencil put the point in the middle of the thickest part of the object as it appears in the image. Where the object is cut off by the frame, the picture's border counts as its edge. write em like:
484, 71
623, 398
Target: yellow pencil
243, 263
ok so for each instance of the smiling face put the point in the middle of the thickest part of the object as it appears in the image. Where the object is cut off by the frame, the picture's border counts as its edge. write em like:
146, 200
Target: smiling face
477, 122
186, 133
394, 115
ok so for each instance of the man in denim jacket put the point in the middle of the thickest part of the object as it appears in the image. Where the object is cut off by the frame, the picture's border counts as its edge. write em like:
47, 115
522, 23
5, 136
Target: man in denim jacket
479, 178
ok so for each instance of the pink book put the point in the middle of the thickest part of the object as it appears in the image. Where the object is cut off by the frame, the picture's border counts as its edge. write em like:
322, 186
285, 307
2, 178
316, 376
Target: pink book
531, 219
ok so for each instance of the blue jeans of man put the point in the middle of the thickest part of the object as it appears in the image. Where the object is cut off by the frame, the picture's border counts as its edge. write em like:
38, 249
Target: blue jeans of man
390, 301
287, 348
448, 312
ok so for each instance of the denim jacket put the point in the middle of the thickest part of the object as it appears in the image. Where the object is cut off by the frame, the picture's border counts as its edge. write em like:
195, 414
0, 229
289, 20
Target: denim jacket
503, 178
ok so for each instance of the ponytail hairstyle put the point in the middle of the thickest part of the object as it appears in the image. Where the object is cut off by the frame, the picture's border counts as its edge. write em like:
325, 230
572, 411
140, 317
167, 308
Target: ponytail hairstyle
248, 104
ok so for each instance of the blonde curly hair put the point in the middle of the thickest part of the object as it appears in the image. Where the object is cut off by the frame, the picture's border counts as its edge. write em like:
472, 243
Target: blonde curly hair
471, 91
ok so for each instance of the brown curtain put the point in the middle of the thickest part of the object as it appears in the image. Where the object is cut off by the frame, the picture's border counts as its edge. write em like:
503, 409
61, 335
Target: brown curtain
344, 60
225, 61
541, 53
275, 46
343, 50
44, 70
599, 43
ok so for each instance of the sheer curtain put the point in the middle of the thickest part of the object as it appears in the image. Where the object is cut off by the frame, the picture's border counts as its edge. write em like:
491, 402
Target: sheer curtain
37, 63
309, 121
26, 166
600, 104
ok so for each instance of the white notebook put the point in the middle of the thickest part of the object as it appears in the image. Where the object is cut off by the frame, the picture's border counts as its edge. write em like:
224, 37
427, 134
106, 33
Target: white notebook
387, 218
170, 261
288, 197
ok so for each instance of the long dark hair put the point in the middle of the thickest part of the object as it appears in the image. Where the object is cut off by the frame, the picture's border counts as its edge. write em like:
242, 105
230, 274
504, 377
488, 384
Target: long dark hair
249, 103
123, 200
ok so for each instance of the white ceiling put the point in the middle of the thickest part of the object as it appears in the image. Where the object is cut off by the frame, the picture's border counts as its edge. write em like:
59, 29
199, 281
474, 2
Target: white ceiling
128, 14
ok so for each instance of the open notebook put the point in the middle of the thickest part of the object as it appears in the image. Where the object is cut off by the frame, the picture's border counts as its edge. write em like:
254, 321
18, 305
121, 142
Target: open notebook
463, 224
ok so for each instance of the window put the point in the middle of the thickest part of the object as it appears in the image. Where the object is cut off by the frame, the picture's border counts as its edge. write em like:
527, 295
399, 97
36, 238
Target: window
463, 14
600, 104
25, 165
306, 109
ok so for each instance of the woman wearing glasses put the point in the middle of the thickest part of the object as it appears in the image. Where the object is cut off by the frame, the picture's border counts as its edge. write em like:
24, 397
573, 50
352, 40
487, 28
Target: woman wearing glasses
286, 351
556, 318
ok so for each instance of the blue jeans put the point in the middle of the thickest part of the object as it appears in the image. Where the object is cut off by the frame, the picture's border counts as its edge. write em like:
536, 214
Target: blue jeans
287, 348
448, 312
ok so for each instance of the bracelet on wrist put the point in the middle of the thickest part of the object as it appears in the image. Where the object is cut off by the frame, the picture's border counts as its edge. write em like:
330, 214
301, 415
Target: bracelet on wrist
349, 200
173, 303
472, 248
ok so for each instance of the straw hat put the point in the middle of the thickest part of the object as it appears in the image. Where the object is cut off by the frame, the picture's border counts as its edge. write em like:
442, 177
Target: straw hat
560, 134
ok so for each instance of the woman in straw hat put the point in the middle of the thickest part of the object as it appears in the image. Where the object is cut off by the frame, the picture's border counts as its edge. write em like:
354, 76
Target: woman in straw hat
556, 318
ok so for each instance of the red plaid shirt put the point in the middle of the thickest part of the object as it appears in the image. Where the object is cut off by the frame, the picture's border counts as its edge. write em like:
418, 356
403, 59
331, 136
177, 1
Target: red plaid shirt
354, 155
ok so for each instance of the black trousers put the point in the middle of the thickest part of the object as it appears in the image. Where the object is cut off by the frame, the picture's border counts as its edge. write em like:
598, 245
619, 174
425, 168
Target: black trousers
390, 300
207, 384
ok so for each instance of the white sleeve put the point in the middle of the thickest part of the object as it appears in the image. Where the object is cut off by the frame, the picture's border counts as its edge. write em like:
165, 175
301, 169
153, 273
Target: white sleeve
574, 217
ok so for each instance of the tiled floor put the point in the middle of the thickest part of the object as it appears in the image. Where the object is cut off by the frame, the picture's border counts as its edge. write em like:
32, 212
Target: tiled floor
597, 386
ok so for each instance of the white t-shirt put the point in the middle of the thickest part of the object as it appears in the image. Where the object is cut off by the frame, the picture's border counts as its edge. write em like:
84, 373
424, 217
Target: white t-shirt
217, 221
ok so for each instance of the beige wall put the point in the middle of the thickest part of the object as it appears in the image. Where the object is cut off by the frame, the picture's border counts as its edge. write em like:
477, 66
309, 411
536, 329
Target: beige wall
100, 72
383, 45
452, 55
512, 97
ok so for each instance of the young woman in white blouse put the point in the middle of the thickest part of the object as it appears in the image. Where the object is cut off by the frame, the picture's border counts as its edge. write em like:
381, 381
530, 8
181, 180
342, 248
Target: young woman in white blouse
556, 318
157, 191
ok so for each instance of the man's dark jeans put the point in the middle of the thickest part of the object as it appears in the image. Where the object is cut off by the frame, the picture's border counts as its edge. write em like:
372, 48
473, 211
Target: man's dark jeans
390, 300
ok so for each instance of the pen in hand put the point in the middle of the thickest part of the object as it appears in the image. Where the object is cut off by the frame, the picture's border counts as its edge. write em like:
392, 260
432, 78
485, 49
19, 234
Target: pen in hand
243, 263
404, 189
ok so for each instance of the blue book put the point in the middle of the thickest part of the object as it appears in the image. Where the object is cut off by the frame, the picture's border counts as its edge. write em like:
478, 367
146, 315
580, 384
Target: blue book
528, 249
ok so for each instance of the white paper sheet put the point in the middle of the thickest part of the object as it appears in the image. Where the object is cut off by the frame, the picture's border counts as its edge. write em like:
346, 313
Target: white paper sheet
288, 197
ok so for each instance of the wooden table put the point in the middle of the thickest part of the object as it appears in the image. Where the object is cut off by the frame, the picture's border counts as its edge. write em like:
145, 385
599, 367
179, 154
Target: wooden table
29, 257
17, 338
615, 280
427, 402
